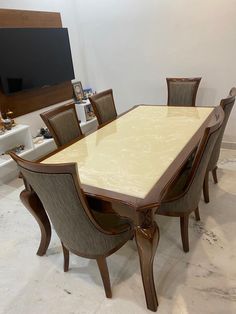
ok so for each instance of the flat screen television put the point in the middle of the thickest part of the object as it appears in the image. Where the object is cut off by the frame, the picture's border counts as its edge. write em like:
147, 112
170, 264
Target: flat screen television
34, 57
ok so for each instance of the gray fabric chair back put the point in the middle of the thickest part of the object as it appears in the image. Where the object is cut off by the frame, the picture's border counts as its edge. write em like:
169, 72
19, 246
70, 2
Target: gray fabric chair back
63, 124
58, 189
182, 91
227, 105
188, 200
197, 174
232, 91
104, 106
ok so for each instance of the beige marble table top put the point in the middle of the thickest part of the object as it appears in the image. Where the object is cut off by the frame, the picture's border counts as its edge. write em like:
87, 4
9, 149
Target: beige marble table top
130, 154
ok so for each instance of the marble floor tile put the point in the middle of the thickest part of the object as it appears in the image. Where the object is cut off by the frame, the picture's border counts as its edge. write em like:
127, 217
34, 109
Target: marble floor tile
201, 281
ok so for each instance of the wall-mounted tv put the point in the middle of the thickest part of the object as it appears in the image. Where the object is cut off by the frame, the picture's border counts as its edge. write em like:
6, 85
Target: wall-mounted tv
34, 57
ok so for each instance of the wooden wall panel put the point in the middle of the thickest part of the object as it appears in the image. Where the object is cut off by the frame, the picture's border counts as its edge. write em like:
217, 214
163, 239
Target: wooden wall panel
22, 18
27, 101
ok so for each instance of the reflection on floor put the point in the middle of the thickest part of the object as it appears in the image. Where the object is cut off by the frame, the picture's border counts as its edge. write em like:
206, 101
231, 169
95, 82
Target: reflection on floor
201, 281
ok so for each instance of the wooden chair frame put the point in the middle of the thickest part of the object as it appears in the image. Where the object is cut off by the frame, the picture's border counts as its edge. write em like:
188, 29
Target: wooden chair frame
52, 113
71, 169
184, 80
184, 216
233, 92
224, 102
93, 100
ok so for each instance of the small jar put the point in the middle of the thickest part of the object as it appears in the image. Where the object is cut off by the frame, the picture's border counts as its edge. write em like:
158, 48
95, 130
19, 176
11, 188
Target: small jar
2, 129
7, 123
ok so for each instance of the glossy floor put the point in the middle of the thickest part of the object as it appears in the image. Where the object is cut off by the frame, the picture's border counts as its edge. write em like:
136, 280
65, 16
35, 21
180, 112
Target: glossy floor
201, 281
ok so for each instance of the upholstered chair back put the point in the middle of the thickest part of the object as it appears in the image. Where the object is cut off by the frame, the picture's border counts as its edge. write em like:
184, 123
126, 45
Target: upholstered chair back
182, 91
104, 106
62, 123
232, 91
227, 105
188, 199
197, 174
58, 188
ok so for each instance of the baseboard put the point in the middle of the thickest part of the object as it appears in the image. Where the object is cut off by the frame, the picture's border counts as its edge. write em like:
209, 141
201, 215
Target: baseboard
228, 145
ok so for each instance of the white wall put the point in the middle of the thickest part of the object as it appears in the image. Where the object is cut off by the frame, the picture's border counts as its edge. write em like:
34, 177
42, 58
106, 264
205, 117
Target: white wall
133, 45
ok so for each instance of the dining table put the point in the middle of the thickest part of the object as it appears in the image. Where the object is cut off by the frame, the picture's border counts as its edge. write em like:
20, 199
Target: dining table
132, 162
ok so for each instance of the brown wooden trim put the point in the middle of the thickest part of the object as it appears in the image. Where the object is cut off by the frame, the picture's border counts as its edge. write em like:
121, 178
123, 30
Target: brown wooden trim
26, 19
146, 229
184, 232
102, 265
35, 207
225, 102
153, 199
228, 100
219, 115
66, 255
214, 175
206, 187
63, 168
161, 187
28, 101
71, 169
232, 92
147, 236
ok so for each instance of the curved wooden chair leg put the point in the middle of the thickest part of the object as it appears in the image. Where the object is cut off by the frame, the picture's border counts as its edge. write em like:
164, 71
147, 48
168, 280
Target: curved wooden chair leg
35, 207
184, 232
147, 238
66, 255
206, 188
197, 214
45, 229
102, 265
214, 175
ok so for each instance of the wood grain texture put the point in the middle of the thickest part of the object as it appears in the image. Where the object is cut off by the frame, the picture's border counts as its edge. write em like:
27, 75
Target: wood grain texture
23, 18
35, 207
28, 101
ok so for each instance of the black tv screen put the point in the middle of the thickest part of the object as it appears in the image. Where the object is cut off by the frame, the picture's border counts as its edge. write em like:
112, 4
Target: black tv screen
34, 57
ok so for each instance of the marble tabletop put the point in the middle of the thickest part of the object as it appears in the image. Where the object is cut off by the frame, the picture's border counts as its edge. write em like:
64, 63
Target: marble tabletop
130, 154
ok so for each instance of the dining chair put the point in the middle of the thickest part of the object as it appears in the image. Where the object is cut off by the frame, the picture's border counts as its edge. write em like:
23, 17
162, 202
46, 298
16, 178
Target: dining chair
104, 106
182, 91
227, 105
62, 123
82, 231
184, 195
232, 92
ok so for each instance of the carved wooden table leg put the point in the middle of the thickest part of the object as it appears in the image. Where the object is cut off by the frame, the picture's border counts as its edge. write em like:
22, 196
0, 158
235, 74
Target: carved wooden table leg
147, 238
35, 207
